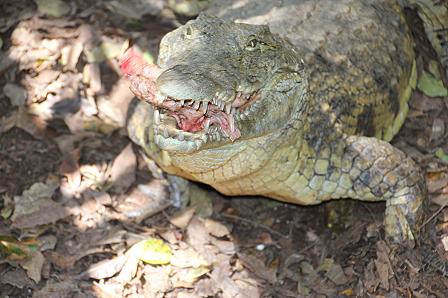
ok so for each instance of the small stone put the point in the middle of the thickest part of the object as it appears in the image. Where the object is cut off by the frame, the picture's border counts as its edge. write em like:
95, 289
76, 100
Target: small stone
260, 247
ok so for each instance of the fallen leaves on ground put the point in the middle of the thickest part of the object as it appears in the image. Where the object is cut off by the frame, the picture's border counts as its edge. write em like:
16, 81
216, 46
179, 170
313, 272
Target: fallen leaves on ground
31, 208
93, 210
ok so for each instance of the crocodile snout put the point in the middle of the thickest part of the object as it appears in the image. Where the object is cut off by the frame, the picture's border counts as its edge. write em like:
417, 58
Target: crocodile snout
180, 82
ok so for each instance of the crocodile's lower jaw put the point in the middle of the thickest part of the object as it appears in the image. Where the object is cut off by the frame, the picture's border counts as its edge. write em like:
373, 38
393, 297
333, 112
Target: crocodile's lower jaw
210, 130
168, 137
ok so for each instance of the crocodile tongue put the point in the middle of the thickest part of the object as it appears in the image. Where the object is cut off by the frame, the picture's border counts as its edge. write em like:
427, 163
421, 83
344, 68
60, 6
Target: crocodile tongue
142, 77
192, 120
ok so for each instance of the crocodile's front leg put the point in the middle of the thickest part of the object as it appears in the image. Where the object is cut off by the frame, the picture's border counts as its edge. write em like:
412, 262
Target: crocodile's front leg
378, 171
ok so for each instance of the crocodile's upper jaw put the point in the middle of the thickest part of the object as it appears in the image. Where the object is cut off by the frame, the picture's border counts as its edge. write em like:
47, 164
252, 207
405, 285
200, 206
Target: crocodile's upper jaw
208, 96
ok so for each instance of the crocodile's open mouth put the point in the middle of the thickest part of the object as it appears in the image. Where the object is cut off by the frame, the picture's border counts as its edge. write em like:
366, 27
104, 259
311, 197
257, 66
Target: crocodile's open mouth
184, 124
194, 123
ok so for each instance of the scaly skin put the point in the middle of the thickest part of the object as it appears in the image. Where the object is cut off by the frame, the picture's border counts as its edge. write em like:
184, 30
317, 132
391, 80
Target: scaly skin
327, 85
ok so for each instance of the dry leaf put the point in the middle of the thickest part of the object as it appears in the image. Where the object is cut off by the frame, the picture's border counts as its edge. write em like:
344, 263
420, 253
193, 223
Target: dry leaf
182, 218
258, 268
220, 276
47, 242
16, 94
70, 55
197, 235
215, 228
62, 261
54, 289
70, 169
441, 200
436, 182
115, 106
129, 269
382, 264
33, 265
92, 77
157, 280
336, 274
106, 268
16, 277
205, 288
123, 169
33, 206
139, 204
188, 276
185, 258
225, 247
32, 125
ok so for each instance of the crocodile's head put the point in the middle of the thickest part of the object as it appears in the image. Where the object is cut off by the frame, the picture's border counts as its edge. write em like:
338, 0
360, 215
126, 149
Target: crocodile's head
223, 82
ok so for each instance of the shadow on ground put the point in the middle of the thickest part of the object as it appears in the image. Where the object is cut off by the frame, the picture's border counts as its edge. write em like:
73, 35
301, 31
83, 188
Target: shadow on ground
76, 196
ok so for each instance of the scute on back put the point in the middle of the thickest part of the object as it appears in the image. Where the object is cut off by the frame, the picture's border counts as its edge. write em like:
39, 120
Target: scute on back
359, 54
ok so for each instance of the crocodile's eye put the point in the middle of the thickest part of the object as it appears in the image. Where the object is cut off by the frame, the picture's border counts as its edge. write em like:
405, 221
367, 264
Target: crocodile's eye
253, 44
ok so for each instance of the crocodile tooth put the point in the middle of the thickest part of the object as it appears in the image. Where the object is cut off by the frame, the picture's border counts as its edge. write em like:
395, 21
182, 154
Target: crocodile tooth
191, 145
182, 102
165, 133
204, 107
157, 139
198, 144
207, 124
231, 122
156, 116
204, 138
180, 137
160, 98
218, 136
228, 107
238, 94
196, 105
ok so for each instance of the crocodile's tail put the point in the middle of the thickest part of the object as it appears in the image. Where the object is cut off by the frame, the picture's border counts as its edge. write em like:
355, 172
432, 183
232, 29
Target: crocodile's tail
434, 14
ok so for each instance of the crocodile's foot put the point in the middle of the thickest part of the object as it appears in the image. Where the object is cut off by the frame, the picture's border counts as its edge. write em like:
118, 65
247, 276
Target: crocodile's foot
401, 219
382, 172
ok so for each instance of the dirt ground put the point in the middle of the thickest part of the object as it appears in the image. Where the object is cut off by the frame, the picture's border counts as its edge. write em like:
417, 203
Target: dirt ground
83, 213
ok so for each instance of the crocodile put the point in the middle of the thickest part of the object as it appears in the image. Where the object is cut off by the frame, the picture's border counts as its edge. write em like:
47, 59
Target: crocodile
294, 100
